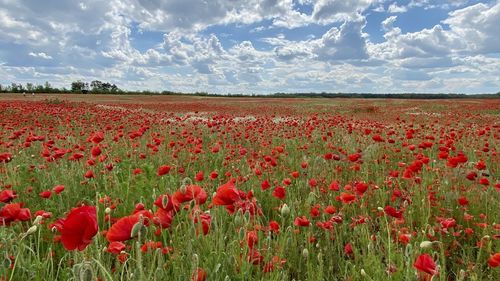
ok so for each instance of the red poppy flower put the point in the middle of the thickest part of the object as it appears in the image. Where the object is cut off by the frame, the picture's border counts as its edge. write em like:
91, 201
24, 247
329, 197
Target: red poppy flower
199, 176
265, 185
192, 192
121, 230
199, 275
206, 221
95, 151
5, 157
46, 194
226, 194
279, 192
425, 263
163, 170
12, 212
494, 260
7, 195
78, 228
115, 247
274, 226
348, 249
448, 223
391, 211
89, 174
301, 221
252, 239
58, 189
347, 198
163, 218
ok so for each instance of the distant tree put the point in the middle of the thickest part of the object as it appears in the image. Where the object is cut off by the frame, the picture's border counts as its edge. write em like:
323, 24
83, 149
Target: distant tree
96, 86
47, 87
30, 87
17, 88
79, 87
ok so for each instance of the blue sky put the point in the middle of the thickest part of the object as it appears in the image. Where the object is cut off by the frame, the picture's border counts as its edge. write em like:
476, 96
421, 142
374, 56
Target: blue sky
252, 46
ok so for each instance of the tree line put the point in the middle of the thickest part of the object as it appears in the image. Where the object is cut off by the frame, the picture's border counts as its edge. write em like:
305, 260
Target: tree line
78, 87
99, 87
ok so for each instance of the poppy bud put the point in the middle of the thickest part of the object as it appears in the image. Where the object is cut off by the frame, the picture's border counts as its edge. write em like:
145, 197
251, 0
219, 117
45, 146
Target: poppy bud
37, 220
31, 230
107, 211
305, 253
425, 244
285, 210
138, 228
363, 273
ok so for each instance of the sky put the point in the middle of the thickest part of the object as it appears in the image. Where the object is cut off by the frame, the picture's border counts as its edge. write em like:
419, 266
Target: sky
251, 46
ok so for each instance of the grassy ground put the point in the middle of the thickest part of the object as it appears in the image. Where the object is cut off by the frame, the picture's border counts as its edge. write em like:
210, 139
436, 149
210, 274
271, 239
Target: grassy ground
313, 182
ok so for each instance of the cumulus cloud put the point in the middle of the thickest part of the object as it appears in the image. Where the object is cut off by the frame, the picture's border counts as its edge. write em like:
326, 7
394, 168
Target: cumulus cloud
272, 45
345, 43
394, 8
41, 55
326, 11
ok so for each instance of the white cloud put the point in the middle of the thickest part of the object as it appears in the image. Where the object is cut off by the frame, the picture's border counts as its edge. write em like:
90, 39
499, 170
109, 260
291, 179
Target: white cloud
477, 25
345, 43
394, 8
41, 55
328, 11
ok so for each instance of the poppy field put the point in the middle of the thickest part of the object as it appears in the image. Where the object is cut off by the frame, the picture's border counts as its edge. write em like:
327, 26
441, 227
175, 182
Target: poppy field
191, 188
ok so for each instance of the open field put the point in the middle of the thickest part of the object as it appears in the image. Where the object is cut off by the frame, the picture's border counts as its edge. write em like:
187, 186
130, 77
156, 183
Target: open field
102, 187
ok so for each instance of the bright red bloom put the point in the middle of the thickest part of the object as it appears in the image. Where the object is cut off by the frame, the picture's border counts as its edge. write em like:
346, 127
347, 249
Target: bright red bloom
78, 228
226, 194
199, 176
58, 189
494, 260
121, 230
163, 218
391, 211
46, 194
199, 275
206, 221
115, 247
354, 157
7, 195
166, 203
334, 186
279, 192
425, 263
448, 223
12, 212
301, 221
5, 157
330, 210
95, 151
462, 201
348, 249
97, 137
89, 174
347, 198
252, 239
361, 188
163, 170
274, 226
265, 185
192, 192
